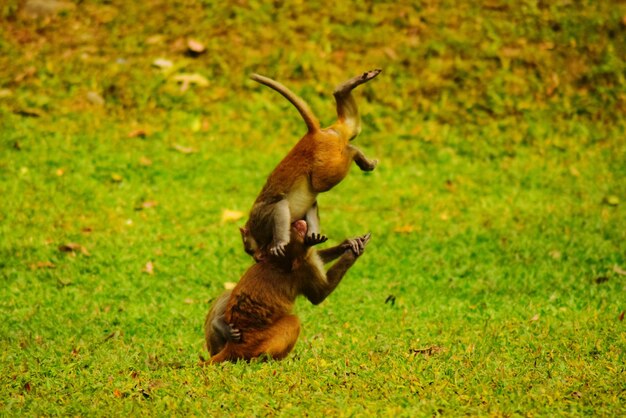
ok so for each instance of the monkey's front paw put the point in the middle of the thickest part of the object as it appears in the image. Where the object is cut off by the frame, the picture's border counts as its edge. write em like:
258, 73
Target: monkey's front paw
278, 250
235, 334
357, 245
315, 239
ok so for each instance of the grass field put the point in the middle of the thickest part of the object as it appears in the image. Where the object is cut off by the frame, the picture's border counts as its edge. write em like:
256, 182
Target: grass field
495, 280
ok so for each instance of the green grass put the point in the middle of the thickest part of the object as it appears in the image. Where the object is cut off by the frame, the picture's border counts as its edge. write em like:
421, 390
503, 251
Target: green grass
496, 211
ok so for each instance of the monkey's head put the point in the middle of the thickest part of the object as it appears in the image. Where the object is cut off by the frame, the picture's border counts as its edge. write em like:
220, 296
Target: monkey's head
250, 245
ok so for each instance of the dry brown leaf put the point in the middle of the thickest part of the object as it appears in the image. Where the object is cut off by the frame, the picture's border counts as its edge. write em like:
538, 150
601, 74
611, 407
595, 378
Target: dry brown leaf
231, 215
149, 268
145, 161
183, 149
195, 46
147, 205
187, 80
619, 270
72, 247
427, 351
404, 229
138, 133
42, 265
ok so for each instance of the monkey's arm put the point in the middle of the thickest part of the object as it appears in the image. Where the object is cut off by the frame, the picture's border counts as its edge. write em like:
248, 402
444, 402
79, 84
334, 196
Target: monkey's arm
318, 290
282, 228
227, 331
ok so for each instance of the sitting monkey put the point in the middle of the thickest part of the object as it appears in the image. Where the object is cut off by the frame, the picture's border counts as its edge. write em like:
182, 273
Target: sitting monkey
317, 163
259, 308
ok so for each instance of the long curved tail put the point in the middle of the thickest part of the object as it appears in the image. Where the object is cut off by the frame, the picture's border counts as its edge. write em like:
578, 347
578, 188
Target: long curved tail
305, 111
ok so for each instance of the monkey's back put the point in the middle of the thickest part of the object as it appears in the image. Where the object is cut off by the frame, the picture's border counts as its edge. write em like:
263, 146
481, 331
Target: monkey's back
264, 294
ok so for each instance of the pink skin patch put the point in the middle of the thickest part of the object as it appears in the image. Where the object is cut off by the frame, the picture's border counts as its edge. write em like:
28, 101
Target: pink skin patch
301, 227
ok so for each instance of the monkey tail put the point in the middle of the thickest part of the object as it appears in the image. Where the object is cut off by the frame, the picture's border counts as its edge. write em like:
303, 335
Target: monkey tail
305, 111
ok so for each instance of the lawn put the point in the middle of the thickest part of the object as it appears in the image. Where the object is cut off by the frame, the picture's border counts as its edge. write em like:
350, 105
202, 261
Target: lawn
132, 145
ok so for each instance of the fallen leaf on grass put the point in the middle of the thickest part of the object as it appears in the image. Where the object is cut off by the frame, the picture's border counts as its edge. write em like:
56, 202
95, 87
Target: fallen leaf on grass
229, 285
183, 149
556, 254
30, 112
611, 200
187, 80
619, 270
149, 268
72, 247
162, 63
189, 301
112, 336
63, 283
145, 161
95, 98
118, 394
231, 215
577, 395
404, 229
195, 47
427, 351
535, 318
621, 316
147, 205
42, 265
138, 133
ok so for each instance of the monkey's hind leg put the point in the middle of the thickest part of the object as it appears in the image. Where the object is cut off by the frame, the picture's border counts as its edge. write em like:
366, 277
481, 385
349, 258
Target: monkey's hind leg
312, 218
347, 110
282, 228
281, 337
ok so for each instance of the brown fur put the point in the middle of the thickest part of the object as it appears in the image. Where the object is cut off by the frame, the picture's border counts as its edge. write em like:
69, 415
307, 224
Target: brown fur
261, 304
317, 163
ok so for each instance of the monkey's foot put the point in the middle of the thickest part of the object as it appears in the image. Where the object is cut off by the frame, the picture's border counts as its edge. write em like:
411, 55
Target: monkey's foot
367, 165
348, 85
235, 334
357, 245
315, 239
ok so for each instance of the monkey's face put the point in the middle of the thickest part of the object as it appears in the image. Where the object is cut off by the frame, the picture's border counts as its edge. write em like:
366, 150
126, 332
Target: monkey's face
249, 243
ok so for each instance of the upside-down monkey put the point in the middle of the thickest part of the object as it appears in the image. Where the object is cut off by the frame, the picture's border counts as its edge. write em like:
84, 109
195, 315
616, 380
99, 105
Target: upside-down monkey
317, 163
255, 318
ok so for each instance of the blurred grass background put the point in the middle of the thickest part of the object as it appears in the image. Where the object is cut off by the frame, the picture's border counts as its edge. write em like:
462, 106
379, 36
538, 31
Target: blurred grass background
494, 281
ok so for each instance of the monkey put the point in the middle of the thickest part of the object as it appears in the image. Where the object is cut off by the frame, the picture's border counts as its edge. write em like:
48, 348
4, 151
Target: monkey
260, 306
216, 331
318, 162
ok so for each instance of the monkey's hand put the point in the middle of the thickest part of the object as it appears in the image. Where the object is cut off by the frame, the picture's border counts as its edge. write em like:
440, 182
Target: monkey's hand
314, 239
234, 333
278, 249
357, 245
